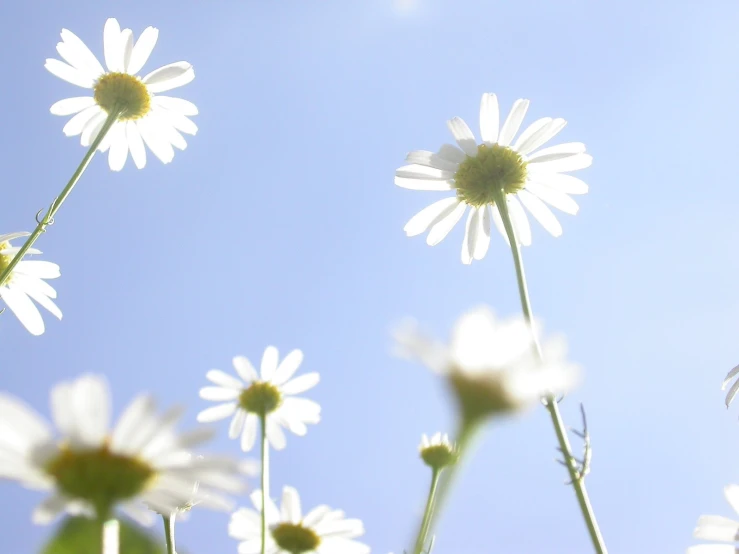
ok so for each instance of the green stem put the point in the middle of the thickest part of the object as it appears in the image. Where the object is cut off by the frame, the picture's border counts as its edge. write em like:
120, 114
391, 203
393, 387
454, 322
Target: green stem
111, 537
426, 522
169, 532
265, 481
578, 483
59, 200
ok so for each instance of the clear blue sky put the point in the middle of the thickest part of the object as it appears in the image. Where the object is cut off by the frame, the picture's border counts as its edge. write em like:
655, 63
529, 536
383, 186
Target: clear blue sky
280, 224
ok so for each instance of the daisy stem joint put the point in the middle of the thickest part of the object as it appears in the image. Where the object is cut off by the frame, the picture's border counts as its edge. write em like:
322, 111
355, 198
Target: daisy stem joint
583, 465
48, 219
551, 404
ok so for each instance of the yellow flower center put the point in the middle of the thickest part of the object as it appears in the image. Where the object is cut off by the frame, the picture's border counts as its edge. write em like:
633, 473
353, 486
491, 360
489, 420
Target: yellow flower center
99, 476
481, 396
295, 538
438, 456
260, 398
480, 179
5, 260
123, 93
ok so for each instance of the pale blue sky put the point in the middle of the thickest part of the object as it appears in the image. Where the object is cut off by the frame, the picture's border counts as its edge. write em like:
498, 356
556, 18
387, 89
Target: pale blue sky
280, 224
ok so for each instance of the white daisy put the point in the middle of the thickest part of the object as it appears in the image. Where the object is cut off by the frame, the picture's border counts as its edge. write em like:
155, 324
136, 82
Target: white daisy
491, 365
26, 283
91, 470
719, 528
321, 531
270, 394
482, 173
438, 451
144, 117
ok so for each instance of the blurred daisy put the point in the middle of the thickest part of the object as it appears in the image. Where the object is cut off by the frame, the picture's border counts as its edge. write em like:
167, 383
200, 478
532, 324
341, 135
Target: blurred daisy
321, 531
26, 283
144, 117
490, 365
91, 470
269, 394
498, 167
719, 528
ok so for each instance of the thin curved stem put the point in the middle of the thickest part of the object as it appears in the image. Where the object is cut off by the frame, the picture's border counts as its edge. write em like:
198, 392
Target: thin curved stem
59, 200
577, 481
265, 480
426, 522
169, 532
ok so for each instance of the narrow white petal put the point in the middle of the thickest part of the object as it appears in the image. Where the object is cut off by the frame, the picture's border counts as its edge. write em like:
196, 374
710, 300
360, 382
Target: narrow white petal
513, 122
498, 220
452, 153
93, 128
143, 49
245, 369
540, 136
135, 144
43, 300
470, 236
287, 368
92, 407
75, 125
29, 282
540, 212
557, 152
126, 47
440, 230
69, 73
519, 219
301, 384
249, 435
269, 363
224, 379
562, 165
463, 135
177, 120
418, 171
413, 183
553, 197
483, 234
219, 394
216, 413
290, 509
168, 77
39, 268
24, 309
430, 216
530, 131
424, 157
717, 528
151, 133
731, 493
83, 57
133, 418
237, 424
275, 435
118, 148
176, 104
70, 106
112, 45
712, 549
566, 183
489, 118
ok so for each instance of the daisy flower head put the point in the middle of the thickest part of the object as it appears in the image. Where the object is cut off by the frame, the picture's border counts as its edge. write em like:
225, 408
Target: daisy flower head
142, 115
498, 169
719, 528
269, 394
320, 531
438, 451
92, 470
490, 365
26, 284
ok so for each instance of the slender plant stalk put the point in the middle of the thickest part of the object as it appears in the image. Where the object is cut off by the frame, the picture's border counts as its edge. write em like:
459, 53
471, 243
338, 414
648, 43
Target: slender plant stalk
577, 481
59, 200
111, 537
265, 480
169, 532
426, 522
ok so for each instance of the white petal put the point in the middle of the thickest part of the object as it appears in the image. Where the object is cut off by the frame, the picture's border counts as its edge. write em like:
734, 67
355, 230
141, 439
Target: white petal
142, 50
712, 549
519, 220
29, 282
413, 183
452, 153
557, 152
540, 136
269, 363
290, 509
133, 418
531, 130
49, 509
301, 384
92, 408
498, 220
717, 528
83, 57
92, 128
275, 435
553, 197
69, 73
541, 212
75, 125
440, 230
24, 309
168, 77
69, 106
562, 165
470, 236
176, 105
489, 118
222, 411
237, 424
113, 45
42, 299
177, 120
424, 157
152, 135
243, 367
126, 47
224, 379
463, 135
418, 171
118, 148
135, 144
39, 268
430, 216
513, 122
566, 183
249, 435
219, 394
731, 492
483, 234
287, 368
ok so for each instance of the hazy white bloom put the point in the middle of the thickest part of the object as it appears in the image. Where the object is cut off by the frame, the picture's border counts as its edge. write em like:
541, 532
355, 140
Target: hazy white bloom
719, 528
481, 174
91, 469
321, 531
145, 117
270, 394
490, 364
26, 284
